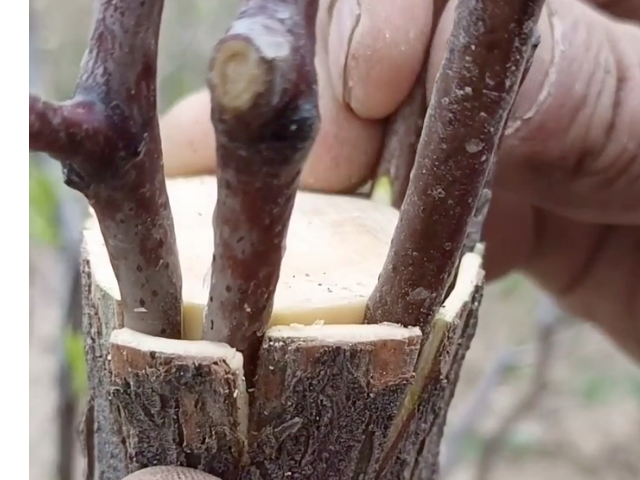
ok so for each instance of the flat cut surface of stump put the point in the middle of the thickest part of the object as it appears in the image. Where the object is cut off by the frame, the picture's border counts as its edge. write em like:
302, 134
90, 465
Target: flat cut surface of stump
334, 398
335, 249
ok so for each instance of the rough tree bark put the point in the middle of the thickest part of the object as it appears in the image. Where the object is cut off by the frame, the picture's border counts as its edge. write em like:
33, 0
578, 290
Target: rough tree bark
107, 140
330, 391
361, 389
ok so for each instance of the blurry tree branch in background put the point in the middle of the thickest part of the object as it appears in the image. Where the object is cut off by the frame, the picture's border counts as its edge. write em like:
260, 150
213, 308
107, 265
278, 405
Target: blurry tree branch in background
548, 320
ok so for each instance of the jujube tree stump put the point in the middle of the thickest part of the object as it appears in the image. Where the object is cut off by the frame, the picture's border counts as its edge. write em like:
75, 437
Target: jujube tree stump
305, 336
334, 397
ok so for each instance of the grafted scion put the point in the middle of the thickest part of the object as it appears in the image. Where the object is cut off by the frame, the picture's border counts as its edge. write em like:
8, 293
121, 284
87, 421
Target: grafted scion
108, 142
264, 108
489, 49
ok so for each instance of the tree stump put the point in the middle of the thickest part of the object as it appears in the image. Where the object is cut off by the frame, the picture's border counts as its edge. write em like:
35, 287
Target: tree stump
334, 398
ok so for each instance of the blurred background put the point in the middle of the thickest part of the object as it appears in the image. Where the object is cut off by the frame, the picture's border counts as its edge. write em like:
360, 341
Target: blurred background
541, 395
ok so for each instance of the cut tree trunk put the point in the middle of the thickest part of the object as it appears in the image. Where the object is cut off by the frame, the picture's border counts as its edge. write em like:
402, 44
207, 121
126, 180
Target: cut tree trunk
334, 398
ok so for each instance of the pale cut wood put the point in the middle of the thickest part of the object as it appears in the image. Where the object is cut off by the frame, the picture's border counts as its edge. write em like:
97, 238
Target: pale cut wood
182, 402
335, 250
326, 397
414, 451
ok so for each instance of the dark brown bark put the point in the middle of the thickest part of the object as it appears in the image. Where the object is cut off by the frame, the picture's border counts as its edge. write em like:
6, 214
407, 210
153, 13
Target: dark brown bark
107, 140
326, 398
265, 113
178, 403
489, 47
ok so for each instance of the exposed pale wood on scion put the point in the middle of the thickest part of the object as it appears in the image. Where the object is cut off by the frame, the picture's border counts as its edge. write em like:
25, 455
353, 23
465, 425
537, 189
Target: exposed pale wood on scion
488, 51
264, 107
414, 453
178, 403
326, 397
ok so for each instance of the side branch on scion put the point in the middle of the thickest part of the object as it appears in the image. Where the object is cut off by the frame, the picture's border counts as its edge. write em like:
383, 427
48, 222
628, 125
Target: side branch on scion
487, 55
264, 108
59, 128
108, 142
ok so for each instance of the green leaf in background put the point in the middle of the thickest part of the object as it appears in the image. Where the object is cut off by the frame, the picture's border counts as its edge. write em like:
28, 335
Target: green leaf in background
43, 207
512, 285
74, 352
522, 442
634, 387
598, 389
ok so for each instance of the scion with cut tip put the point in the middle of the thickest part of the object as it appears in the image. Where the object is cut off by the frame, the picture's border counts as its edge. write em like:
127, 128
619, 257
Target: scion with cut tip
264, 109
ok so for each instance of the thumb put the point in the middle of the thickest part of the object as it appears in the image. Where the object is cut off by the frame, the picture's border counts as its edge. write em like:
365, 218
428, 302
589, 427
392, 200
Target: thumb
169, 473
572, 145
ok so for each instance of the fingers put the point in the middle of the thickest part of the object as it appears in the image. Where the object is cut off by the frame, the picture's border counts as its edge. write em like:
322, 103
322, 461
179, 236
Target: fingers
572, 145
381, 67
342, 158
346, 149
376, 49
188, 141
593, 272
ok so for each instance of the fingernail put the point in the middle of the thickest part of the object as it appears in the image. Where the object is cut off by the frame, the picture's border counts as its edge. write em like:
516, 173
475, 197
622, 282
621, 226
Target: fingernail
537, 86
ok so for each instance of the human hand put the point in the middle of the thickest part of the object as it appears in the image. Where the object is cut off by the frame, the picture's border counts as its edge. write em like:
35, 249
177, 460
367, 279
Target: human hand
566, 202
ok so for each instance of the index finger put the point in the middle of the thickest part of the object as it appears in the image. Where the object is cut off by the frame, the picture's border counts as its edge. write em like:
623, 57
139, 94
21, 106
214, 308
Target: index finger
381, 61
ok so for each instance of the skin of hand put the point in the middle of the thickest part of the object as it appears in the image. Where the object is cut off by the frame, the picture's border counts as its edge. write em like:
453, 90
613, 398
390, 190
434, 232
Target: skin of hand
566, 204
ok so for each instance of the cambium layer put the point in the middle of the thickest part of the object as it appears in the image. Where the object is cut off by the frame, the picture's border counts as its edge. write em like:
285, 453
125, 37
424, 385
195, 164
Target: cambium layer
334, 398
